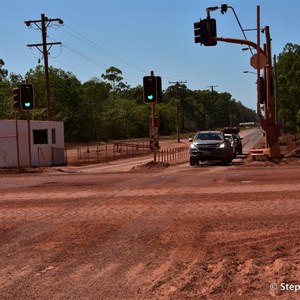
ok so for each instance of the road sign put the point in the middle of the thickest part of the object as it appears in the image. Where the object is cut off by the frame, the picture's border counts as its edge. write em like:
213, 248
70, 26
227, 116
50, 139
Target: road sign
154, 143
262, 61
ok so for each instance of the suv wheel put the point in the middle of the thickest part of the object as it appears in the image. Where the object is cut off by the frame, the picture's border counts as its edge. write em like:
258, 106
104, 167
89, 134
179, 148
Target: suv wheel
194, 161
227, 159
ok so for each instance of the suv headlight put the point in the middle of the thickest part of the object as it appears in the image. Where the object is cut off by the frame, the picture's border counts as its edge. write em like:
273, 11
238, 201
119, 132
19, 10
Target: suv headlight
221, 146
193, 146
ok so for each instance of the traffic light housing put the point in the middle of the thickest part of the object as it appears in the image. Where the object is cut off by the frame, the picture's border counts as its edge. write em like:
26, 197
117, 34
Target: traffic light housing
158, 90
212, 31
204, 30
26, 96
200, 31
16, 98
224, 8
152, 89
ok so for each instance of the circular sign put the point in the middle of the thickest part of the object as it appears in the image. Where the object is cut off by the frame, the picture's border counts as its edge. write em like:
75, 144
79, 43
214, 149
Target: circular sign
262, 61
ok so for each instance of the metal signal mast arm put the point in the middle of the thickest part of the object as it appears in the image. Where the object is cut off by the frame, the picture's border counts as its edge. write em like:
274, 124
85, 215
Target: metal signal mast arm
237, 41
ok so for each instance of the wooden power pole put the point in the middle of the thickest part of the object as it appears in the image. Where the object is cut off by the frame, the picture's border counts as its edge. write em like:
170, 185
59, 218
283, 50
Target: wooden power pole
43, 24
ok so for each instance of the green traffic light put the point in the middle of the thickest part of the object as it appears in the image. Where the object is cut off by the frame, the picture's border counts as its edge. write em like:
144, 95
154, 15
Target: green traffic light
150, 97
26, 96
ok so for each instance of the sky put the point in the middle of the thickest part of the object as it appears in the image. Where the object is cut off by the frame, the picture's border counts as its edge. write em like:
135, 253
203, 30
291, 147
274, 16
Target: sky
140, 36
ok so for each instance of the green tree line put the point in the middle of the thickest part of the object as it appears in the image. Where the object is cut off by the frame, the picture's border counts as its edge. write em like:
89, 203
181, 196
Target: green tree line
108, 108
287, 78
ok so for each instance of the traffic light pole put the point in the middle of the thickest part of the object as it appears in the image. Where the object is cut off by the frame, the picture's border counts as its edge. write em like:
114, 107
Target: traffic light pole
152, 93
17, 139
29, 139
205, 33
153, 121
268, 122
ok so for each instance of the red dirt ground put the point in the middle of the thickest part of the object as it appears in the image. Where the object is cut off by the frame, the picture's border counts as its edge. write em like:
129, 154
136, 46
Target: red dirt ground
177, 232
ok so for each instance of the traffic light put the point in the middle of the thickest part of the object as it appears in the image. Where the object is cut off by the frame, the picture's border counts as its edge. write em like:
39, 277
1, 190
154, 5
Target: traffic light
204, 30
201, 33
26, 96
152, 89
16, 98
158, 90
224, 8
212, 31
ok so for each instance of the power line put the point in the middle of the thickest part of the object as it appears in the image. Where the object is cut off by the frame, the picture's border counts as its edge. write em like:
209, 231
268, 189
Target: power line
71, 31
240, 25
93, 45
74, 33
82, 55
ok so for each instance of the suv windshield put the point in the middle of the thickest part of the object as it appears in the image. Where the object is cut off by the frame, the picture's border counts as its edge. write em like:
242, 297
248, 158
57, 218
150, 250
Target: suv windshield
209, 137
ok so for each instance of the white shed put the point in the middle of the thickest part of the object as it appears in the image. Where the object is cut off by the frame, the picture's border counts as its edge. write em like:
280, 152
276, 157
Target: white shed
33, 143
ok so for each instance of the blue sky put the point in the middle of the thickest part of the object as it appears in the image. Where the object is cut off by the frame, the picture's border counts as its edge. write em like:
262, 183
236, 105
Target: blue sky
138, 36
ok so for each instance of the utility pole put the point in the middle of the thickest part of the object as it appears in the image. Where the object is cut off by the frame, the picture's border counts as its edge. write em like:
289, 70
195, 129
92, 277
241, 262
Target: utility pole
43, 24
213, 103
258, 63
177, 101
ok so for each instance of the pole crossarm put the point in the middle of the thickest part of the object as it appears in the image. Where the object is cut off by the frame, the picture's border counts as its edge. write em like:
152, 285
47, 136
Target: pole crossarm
43, 20
38, 45
177, 84
41, 45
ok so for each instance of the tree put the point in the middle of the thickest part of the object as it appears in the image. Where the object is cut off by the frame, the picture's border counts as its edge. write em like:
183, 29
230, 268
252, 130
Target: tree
6, 103
89, 114
95, 95
288, 88
114, 76
3, 72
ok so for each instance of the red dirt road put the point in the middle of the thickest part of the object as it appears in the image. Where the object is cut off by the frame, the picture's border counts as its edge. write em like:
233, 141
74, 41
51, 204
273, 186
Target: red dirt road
207, 232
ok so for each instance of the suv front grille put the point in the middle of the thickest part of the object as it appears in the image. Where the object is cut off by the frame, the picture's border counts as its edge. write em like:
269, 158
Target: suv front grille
207, 147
